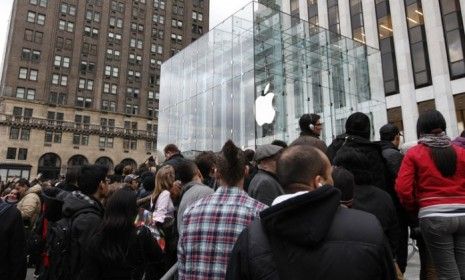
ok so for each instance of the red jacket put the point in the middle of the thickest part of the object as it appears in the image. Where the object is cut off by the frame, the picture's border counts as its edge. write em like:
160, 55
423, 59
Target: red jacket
420, 184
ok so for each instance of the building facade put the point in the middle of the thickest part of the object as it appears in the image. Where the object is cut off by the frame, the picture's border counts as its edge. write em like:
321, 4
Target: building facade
252, 77
422, 47
81, 80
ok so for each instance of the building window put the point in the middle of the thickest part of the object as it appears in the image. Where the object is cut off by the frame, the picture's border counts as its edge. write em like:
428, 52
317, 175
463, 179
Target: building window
418, 44
87, 67
90, 32
57, 98
33, 36
41, 3
108, 105
86, 84
117, 6
11, 153
61, 80
105, 142
158, 19
27, 74
52, 136
116, 22
68, 9
34, 17
333, 16
92, 16
129, 144
113, 54
356, 16
159, 4
22, 154
132, 109
25, 93
107, 124
111, 71
30, 55
66, 25
61, 61
80, 139
454, 36
83, 102
386, 45
110, 88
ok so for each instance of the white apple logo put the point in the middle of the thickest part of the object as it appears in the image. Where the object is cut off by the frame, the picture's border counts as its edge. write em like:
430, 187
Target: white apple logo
264, 110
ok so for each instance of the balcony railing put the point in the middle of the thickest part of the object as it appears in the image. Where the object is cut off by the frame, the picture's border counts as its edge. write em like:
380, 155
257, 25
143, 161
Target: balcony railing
58, 125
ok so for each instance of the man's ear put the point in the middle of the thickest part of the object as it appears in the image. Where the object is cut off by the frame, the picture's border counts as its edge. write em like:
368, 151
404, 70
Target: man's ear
246, 171
318, 181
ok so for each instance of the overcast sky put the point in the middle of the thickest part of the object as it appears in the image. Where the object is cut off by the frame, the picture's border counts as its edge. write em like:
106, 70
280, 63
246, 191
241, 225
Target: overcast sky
219, 11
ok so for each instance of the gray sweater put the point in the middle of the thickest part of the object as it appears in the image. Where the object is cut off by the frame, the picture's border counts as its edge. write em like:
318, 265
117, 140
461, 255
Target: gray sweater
191, 192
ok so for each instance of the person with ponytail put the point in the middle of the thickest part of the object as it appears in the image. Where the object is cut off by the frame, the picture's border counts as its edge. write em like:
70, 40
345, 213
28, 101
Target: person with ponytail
431, 184
211, 226
119, 249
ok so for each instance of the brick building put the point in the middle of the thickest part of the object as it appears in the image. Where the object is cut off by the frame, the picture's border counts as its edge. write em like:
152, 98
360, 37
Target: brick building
80, 82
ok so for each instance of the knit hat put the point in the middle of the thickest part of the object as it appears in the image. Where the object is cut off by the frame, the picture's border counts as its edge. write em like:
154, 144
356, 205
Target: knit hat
358, 124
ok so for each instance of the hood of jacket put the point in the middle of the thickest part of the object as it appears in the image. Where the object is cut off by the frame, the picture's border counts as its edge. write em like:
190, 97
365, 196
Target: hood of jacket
37, 189
305, 219
54, 198
77, 201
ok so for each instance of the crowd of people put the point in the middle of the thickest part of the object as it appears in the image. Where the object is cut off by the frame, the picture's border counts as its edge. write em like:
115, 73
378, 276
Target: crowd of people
282, 211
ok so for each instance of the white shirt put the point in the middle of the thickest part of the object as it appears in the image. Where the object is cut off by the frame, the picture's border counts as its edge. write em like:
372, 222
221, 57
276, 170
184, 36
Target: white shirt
164, 207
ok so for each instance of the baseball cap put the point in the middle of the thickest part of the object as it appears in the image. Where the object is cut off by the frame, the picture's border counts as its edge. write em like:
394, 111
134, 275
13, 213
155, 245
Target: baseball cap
130, 178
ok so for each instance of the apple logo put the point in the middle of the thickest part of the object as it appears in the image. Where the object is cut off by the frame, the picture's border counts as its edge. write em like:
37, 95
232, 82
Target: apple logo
264, 110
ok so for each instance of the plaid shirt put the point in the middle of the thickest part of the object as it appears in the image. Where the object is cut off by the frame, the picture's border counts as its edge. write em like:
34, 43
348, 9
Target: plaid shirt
210, 229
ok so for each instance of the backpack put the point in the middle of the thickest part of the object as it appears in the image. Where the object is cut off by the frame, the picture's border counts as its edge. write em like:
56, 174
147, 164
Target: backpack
58, 248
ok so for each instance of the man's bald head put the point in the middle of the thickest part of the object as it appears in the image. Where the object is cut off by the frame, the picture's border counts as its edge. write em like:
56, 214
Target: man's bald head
301, 165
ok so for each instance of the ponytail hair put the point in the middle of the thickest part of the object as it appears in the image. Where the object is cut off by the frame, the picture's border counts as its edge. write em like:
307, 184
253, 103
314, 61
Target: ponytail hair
231, 164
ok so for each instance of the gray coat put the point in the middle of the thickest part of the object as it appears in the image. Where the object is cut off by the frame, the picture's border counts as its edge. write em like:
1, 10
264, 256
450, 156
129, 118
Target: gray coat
191, 192
264, 187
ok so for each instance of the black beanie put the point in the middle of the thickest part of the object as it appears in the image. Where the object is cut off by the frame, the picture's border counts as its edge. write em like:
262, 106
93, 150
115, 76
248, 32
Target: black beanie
358, 124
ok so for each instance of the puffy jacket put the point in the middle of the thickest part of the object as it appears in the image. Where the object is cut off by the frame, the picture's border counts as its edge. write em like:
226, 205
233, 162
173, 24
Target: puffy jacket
12, 243
29, 205
311, 235
372, 150
420, 184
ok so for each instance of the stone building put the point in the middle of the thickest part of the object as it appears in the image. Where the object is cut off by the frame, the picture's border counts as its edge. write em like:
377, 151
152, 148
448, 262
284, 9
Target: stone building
81, 78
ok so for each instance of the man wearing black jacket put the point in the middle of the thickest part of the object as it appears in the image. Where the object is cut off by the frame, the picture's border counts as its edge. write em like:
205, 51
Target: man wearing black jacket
85, 209
306, 233
12, 243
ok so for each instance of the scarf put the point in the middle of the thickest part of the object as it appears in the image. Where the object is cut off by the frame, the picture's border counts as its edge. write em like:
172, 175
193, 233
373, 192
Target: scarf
440, 140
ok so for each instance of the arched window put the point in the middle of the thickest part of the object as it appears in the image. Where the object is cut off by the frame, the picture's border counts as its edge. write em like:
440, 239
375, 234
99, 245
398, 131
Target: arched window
49, 166
77, 160
105, 161
129, 161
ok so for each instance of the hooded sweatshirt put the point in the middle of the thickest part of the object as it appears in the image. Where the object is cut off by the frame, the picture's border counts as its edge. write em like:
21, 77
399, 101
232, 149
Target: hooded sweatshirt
311, 234
29, 205
87, 214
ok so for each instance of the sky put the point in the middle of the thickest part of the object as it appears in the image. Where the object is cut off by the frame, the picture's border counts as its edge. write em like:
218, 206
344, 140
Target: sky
219, 11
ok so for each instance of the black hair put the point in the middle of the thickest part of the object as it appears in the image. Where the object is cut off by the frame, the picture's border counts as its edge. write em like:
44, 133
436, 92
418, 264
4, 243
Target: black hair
356, 163
280, 143
117, 225
205, 162
185, 171
305, 121
299, 165
119, 169
90, 178
72, 175
231, 164
462, 134
249, 155
445, 159
23, 182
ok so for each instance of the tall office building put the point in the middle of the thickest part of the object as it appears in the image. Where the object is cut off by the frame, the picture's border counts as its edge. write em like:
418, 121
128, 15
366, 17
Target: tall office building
422, 47
80, 82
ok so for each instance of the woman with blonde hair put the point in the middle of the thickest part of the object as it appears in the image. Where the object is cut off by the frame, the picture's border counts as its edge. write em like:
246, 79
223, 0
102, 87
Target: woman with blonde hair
160, 201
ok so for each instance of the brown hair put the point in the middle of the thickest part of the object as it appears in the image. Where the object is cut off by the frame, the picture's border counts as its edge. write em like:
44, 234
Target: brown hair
127, 170
163, 181
231, 164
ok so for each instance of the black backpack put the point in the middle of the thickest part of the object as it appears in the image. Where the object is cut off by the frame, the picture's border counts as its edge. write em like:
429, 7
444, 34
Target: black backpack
58, 248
